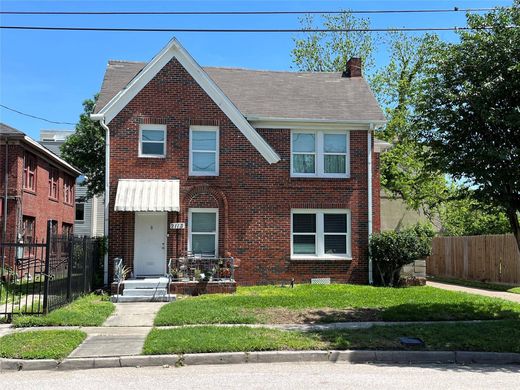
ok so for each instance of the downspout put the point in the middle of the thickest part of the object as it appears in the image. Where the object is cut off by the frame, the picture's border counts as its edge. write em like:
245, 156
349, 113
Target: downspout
369, 163
106, 195
6, 180
4, 227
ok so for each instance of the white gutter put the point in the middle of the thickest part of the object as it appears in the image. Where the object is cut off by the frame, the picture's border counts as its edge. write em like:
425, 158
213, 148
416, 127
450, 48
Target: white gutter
369, 161
106, 195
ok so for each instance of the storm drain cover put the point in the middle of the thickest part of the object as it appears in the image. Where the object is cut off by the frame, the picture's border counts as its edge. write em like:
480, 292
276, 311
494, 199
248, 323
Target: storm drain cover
411, 341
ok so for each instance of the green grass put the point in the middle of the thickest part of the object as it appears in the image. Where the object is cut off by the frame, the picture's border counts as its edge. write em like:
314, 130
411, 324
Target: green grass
45, 344
90, 310
226, 339
477, 284
256, 304
496, 336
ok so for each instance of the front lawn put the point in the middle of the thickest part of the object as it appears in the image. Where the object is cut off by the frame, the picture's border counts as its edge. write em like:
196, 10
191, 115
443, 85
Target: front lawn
333, 303
495, 336
226, 339
90, 310
44, 344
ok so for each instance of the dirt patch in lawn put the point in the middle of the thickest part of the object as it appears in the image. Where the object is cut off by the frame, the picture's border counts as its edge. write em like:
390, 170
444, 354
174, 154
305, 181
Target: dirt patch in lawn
316, 316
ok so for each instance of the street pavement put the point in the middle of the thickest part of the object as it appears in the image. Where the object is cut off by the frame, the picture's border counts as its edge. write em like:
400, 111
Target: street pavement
284, 376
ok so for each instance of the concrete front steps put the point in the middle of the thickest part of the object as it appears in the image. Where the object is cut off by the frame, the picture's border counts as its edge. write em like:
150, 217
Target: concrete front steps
144, 290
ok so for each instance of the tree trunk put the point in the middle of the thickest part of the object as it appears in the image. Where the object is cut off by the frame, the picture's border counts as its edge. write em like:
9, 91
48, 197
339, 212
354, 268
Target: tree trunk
512, 215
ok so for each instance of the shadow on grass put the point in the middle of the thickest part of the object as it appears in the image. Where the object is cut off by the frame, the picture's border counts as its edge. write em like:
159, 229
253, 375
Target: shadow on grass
452, 311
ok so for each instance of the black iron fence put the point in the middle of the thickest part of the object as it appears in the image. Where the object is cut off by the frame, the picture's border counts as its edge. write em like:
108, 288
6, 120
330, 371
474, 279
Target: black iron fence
38, 277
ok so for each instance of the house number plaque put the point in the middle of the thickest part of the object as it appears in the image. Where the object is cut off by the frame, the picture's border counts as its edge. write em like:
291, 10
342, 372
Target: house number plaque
177, 225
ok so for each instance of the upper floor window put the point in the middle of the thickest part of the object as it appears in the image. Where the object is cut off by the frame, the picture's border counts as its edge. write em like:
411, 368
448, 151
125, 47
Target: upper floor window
204, 150
29, 172
152, 140
319, 153
68, 190
53, 183
80, 212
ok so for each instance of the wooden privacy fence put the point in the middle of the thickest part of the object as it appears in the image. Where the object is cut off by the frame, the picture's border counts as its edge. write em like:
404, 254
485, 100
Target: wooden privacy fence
490, 258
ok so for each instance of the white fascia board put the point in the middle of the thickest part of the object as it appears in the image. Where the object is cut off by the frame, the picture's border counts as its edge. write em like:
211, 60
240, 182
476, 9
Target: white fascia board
51, 155
311, 123
174, 49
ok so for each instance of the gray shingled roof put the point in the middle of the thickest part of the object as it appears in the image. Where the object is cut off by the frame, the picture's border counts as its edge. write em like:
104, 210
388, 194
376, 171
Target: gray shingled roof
8, 130
273, 94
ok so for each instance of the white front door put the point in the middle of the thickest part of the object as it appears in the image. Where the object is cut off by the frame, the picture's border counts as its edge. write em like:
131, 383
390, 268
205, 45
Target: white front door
150, 244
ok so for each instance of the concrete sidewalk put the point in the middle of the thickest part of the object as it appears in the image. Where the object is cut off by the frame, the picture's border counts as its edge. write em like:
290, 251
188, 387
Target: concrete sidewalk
487, 293
122, 334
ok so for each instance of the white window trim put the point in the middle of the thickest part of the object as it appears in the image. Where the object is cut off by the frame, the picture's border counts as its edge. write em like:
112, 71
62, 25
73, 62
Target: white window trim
319, 154
320, 241
152, 127
203, 210
217, 151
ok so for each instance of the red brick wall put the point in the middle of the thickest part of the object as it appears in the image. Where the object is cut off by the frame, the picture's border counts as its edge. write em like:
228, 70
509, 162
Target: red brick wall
36, 203
254, 198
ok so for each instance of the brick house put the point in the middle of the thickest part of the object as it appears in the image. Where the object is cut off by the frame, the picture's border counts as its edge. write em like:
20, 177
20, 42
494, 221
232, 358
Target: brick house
278, 168
39, 187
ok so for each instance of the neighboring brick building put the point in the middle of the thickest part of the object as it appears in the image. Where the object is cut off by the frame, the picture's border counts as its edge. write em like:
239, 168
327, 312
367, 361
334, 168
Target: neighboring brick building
272, 167
40, 187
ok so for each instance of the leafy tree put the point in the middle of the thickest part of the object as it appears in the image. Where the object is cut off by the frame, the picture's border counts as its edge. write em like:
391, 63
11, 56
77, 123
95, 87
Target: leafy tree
469, 109
403, 170
85, 149
391, 250
329, 52
467, 216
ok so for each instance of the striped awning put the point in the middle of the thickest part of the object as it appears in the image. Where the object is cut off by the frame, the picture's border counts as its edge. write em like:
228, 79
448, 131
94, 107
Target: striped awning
147, 195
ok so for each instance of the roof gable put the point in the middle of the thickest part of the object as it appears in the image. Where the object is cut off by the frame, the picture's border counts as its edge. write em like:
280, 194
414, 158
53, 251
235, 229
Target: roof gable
12, 133
146, 74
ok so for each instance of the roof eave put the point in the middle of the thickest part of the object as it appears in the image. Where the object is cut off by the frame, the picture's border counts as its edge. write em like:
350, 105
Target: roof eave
175, 49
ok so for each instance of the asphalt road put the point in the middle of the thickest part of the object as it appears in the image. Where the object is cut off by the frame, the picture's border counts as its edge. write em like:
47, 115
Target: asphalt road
272, 376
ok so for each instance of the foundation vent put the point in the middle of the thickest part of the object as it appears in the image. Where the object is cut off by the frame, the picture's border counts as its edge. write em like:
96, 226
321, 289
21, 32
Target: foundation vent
320, 281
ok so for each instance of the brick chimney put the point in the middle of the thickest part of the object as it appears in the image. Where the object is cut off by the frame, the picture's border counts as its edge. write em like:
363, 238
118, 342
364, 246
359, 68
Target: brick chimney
353, 68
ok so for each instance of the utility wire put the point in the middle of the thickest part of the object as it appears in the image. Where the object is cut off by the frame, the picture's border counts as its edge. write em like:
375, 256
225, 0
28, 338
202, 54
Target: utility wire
225, 30
455, 9
36, 117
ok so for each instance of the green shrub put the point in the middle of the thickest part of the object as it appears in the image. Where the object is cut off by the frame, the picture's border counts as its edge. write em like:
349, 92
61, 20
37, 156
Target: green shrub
391, 250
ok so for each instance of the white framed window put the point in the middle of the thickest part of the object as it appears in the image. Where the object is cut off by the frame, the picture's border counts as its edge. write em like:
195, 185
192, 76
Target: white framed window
204, 150
203, 232
320, 234
152, 141
320, 153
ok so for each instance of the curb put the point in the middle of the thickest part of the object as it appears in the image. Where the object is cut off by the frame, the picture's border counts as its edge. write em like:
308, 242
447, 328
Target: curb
350, 356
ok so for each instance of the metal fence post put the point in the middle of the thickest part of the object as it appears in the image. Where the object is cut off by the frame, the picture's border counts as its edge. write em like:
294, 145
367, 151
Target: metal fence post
47, 269
85, 287
70, 241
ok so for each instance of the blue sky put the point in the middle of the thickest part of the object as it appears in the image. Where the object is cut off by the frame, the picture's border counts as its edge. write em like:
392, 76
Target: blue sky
50, 73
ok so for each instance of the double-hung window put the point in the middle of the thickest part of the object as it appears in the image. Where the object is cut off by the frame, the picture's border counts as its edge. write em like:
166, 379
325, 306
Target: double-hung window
152, 140
320, 234
29, 172
53, 183
319, 153
204, 150
203, 232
